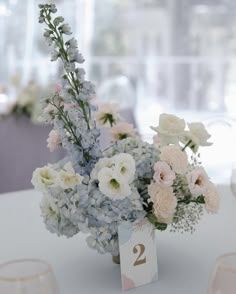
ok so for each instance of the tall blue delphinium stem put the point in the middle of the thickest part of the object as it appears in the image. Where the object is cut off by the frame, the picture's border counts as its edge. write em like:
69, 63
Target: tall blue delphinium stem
70, 111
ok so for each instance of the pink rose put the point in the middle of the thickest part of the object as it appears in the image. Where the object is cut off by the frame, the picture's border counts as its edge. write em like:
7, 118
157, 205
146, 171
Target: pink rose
175, 157
163, 175
164, 202
212, 198
198, 181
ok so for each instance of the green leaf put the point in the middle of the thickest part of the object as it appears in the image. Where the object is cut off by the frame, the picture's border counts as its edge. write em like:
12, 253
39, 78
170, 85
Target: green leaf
200, 199
161, 226
153, 220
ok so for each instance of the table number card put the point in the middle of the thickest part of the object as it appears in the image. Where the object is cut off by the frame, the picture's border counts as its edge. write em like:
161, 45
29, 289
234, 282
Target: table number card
138, 258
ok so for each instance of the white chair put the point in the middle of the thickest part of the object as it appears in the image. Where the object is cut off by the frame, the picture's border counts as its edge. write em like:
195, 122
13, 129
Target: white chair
218, 159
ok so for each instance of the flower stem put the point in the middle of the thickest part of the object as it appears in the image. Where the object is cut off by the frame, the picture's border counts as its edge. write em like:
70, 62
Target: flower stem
189, 142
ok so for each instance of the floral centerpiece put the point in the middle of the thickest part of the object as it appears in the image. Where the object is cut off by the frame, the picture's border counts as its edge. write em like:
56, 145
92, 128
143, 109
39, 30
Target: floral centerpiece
94, 190
26, 102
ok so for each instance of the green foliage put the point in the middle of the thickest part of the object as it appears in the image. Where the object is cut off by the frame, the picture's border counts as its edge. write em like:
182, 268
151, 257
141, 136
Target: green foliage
153, 220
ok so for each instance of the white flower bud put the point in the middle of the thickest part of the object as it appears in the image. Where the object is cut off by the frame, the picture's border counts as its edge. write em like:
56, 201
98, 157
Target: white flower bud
65, 28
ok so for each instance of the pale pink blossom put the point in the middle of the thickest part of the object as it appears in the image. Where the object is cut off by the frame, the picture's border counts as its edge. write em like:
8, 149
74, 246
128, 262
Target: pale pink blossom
69, 105
163, 176
53, 140
122, 131
107, 114
57, 88
212, 198
198, 181
49, 108
175, 157
164, 202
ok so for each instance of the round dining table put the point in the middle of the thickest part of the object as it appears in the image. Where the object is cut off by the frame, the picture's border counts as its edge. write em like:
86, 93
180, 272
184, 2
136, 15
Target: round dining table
185, 261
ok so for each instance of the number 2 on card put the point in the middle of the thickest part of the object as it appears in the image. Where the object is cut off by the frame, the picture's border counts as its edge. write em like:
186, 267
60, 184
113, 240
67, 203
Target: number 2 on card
141, 250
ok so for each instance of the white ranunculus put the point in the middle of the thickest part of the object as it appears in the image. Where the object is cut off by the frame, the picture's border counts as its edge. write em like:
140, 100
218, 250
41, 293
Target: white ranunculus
113, 184
175, 157
68, 178
212, 198
199, 131
164, 202
170, 125
103, 162
125, 166
44, 177
164, 175
198, 181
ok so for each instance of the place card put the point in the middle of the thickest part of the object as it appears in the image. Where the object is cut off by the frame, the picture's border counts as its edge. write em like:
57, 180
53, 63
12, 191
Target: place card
138, 259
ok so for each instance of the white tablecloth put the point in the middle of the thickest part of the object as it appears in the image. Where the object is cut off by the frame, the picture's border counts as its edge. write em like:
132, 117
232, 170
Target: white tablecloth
184, 261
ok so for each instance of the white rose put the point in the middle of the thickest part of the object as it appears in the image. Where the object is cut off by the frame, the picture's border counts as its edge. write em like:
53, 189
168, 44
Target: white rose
163, 140
164, 202
170, 126
68, 178
175, 157
163, 175
212, 198
112, 184
199, 131
44, 177
125, 166
198, 181
103, 162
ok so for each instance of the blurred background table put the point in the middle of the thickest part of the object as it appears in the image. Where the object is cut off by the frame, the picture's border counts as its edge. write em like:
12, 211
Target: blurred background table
23, 147
184, 261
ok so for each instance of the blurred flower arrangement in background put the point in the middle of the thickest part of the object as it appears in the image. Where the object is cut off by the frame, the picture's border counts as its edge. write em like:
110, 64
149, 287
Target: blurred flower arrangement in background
27, 98
94, 190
